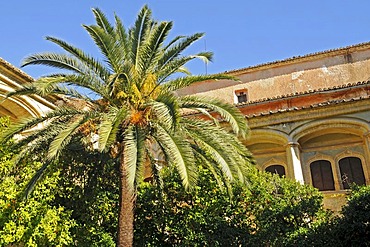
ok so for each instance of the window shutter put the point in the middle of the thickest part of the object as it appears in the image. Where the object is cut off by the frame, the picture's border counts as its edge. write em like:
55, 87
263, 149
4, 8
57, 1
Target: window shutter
351, 171
322, 175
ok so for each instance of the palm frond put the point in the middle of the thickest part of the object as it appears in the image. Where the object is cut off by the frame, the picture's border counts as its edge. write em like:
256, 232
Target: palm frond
228, 112
134, 154
225, 149
60, 61
110, 127
200, 155
19, 127
31, 184
173, 41
137, 33
179, 153
64, 136
122, 38
106, 44
37, 123
166, 110
216, 151
182, 82
47, 86
32, 143
205, 56
91, 64
176, 65
86, 81
176, 47
102, 21
150, 52
53, 83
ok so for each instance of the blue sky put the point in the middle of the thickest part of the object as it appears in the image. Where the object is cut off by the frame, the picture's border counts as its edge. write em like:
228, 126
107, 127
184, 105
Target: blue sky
241, 33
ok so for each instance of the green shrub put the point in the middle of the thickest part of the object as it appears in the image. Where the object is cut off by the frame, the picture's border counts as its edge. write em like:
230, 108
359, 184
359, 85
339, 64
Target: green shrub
36, 221
266, 212
353, 227
350, 228
87, 188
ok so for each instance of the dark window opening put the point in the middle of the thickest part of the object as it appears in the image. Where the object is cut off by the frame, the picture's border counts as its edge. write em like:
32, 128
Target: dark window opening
351, 172
276, 169
241, 96
322, 175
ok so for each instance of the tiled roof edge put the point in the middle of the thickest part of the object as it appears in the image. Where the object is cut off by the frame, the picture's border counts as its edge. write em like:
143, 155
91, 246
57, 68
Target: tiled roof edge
303, 57
311, 91
331, 102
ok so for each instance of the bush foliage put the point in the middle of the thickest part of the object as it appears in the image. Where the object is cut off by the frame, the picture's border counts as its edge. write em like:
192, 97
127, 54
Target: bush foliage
36, 221
265, 213
77, 206
350, 228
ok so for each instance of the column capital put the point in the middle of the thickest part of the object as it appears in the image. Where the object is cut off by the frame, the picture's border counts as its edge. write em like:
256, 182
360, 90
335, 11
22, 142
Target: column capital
292, 144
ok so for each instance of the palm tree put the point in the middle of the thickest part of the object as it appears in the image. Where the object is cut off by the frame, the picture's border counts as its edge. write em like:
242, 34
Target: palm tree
129, 105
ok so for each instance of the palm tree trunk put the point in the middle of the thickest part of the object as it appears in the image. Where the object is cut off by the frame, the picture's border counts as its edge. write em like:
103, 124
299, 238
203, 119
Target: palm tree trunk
125, 233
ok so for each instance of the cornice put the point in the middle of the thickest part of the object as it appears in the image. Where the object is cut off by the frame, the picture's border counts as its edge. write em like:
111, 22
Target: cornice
304, 93
15, 70
317, 111
303, 58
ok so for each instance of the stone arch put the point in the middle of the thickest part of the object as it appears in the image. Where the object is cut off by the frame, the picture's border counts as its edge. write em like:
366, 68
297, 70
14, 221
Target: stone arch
345, 125
328, 140
18, 107
266, 140
267, 145
274, 161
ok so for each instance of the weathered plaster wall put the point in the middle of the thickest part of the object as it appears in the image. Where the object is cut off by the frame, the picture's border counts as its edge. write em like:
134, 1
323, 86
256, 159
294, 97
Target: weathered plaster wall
285, 78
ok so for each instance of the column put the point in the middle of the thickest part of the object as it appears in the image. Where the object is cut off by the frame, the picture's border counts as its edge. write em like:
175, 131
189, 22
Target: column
294, 161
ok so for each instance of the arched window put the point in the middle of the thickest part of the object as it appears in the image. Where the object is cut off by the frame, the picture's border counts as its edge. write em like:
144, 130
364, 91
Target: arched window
351, 171
276, 169
322, 175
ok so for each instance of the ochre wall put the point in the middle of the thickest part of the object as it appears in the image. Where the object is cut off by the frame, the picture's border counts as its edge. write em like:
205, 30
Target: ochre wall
287, 77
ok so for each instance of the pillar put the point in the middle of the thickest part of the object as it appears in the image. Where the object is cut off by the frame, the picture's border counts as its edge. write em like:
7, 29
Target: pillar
294, 161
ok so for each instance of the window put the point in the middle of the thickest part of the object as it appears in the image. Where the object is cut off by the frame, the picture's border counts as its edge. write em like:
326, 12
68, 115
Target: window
322, 175
351, 171
277, 169
241, 96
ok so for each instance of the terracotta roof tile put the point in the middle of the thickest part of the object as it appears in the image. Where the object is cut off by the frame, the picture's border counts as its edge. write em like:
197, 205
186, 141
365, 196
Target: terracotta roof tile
312, 91
332, 102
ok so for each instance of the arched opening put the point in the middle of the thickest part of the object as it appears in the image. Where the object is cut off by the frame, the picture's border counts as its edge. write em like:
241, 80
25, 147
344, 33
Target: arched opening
351, 171
266, 142
276, 169
322, 175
